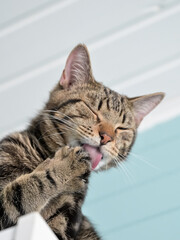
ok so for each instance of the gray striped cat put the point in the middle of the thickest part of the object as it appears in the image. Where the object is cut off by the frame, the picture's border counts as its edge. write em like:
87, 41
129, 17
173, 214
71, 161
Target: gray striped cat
84, 127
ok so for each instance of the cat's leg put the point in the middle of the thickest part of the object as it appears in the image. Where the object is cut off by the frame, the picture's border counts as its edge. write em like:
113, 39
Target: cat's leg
27, 193
87, 231
63, 213
66, 172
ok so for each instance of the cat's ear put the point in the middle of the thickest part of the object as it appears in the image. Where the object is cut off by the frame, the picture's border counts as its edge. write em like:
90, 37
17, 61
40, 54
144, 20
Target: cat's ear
142, 105
77, 68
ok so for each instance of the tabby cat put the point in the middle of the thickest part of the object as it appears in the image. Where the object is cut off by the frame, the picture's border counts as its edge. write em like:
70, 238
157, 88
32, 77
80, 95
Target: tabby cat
84, 126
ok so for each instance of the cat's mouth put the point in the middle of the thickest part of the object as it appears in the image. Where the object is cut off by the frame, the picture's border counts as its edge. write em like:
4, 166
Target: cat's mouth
94, 153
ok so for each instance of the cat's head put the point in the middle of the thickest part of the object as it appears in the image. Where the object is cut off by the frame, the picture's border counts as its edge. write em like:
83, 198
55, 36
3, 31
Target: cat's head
87, 113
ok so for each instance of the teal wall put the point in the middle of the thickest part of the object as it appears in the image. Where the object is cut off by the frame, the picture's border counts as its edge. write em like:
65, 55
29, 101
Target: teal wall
146, 203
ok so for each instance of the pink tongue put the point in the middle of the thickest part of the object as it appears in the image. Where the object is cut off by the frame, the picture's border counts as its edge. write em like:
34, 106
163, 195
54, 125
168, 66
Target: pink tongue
94, 154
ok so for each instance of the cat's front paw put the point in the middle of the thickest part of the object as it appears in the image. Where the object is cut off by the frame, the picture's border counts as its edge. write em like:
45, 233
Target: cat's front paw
75, 167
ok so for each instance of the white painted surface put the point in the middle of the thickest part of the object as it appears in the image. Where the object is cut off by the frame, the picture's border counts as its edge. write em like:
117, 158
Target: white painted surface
8, 234
134, 47
30, 227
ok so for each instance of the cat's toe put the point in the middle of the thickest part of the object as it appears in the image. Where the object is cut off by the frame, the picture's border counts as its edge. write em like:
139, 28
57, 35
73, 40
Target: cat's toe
81, 154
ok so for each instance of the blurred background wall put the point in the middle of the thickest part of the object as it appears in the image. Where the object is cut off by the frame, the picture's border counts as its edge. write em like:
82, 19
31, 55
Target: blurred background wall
135, 49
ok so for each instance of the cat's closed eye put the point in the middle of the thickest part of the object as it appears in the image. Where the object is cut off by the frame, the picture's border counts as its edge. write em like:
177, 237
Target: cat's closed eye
96, 116
122, 128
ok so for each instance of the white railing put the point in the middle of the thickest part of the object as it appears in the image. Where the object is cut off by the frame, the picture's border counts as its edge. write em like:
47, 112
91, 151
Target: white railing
29, 227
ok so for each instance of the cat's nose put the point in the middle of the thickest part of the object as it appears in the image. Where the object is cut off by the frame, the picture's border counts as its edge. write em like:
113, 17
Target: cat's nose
105, 138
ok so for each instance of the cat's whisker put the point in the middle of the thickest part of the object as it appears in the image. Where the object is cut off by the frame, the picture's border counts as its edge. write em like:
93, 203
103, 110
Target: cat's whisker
69, 128
79, 132
118, 165
60, 120
67, 125
124, 174
44, 120
68, 122
127, 172
106, 165
116, 162
47, 134
65, 115
116, 159
145, 161
120, 159
121, 156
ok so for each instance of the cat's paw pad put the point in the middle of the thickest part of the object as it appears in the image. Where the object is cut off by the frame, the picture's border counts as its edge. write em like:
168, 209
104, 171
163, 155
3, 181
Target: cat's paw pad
75, 161
80, 161
73, 166
81, 154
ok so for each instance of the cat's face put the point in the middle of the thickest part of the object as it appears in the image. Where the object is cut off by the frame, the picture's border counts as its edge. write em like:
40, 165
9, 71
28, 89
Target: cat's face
100, 120
93, 116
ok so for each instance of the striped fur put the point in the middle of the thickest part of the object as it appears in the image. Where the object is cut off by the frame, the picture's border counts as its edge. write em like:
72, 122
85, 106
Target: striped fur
45, 168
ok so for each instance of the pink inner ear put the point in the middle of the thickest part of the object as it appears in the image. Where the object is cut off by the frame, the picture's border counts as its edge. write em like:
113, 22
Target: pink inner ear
66, 74
77, 67
145, 104
139, 115
63, 78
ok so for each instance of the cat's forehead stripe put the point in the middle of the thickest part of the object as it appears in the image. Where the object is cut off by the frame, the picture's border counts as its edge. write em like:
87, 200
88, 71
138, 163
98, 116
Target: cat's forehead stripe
111, 99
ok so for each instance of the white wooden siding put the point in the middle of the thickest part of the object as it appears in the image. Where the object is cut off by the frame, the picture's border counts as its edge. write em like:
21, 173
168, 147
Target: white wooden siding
132, 44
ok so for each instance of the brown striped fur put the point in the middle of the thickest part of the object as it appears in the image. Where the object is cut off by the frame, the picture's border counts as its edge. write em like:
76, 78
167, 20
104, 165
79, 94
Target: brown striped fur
45, 167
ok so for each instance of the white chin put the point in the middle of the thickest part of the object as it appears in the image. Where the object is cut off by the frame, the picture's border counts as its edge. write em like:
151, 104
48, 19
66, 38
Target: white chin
102, 163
